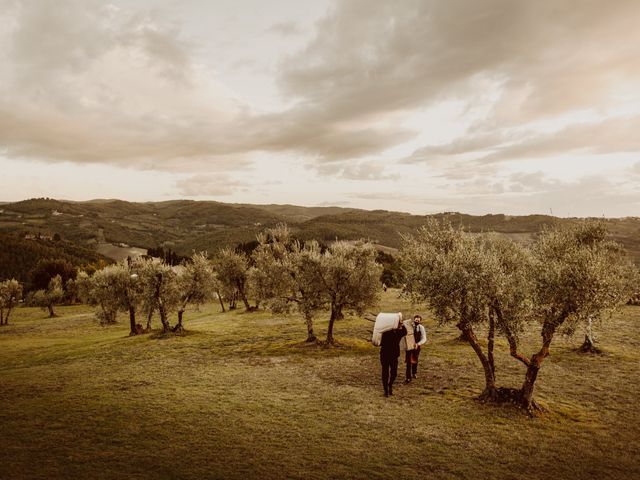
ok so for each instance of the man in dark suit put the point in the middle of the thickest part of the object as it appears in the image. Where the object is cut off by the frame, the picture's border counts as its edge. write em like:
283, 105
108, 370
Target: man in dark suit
389, 353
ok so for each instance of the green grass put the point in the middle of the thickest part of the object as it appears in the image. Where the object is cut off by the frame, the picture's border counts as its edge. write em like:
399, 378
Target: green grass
241, 396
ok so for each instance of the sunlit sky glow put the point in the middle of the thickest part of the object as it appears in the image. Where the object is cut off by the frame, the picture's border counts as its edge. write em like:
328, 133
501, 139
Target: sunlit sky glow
493, 106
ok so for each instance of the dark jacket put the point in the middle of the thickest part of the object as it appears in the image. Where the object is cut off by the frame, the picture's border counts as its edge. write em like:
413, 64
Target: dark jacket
390, 342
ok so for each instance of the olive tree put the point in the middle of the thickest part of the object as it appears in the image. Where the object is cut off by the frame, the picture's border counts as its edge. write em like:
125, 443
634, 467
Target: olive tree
10, 296
232, 269
345, 276
104, 290
47, 299
571, 275
276, 279
195, 283
159, 290
114, 288
457, 274
509, 291
578, 274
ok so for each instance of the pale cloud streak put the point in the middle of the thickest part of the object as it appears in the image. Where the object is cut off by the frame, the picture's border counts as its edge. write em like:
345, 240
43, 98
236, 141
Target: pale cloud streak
208, 185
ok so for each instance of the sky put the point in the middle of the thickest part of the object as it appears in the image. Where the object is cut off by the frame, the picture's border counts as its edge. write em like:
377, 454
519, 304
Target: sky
422, 106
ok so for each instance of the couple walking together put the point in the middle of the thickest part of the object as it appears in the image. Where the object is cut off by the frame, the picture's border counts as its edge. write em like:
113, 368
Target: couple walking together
396, 339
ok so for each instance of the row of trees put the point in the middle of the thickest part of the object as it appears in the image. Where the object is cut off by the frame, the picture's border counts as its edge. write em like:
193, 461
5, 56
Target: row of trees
282, 274
570, 276
290, 275
148, 286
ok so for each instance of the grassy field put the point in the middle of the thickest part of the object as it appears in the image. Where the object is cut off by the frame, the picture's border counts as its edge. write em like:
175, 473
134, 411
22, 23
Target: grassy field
239, 396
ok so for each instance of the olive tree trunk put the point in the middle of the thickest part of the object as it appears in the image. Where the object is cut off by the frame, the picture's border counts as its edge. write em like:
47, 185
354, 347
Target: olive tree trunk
336, 313
526, 393
132, 321
221, 302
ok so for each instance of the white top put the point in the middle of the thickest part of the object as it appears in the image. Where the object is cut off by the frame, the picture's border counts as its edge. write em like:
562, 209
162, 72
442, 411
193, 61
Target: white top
423, 336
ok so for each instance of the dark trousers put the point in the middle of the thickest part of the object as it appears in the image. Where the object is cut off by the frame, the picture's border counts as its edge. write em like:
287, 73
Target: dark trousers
389, 372
412, 368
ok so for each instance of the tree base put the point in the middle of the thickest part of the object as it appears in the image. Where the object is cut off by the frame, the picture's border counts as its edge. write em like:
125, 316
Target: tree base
500, 395
590, 348
510, 396
311, 338
178, 329
139, 330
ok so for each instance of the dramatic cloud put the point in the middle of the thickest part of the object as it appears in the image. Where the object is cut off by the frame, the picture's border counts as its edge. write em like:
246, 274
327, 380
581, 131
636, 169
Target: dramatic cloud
459, 96
86, 82
543, 60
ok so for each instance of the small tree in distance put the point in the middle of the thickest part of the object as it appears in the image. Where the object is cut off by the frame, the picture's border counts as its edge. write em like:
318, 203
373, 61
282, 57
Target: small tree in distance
277, 280
346, 276
159, 290
104, 289
196, 284
47, 299
232, 271
10, 296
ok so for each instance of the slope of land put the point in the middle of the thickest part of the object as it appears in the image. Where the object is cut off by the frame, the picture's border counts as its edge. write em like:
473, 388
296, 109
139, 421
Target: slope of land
83, 401
19, 255
184, 225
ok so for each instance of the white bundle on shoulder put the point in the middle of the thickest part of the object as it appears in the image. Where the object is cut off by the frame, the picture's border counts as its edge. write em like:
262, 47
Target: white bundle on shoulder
384, 323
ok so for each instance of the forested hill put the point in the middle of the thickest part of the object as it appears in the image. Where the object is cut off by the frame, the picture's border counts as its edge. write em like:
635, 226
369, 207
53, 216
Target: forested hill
20, 255
185, 225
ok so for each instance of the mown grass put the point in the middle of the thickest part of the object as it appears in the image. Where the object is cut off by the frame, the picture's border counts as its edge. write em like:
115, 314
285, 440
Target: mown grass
242, 396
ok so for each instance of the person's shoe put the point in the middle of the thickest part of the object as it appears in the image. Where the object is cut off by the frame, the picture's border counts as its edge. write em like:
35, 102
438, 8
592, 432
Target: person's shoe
415, 376
386, 394
390, 392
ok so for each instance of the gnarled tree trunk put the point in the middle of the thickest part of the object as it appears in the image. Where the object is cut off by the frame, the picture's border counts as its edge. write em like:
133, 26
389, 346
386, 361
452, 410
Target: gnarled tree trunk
149, 317
535, 364
221, 302
166, 327
308, 318
589, 344
490, 392
179, 327
336, 313
132, 321
243, 296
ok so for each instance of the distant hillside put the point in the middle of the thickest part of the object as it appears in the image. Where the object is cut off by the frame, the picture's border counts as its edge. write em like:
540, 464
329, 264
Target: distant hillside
18, 256
185, 225
296, 214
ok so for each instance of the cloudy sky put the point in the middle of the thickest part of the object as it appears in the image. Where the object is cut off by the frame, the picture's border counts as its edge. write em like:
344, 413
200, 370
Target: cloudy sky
478, 106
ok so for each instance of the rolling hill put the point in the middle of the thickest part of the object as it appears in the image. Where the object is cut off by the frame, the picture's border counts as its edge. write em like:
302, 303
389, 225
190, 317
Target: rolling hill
185, 225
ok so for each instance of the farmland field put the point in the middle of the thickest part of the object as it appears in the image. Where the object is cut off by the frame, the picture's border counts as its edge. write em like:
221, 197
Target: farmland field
241, 396
119, 253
